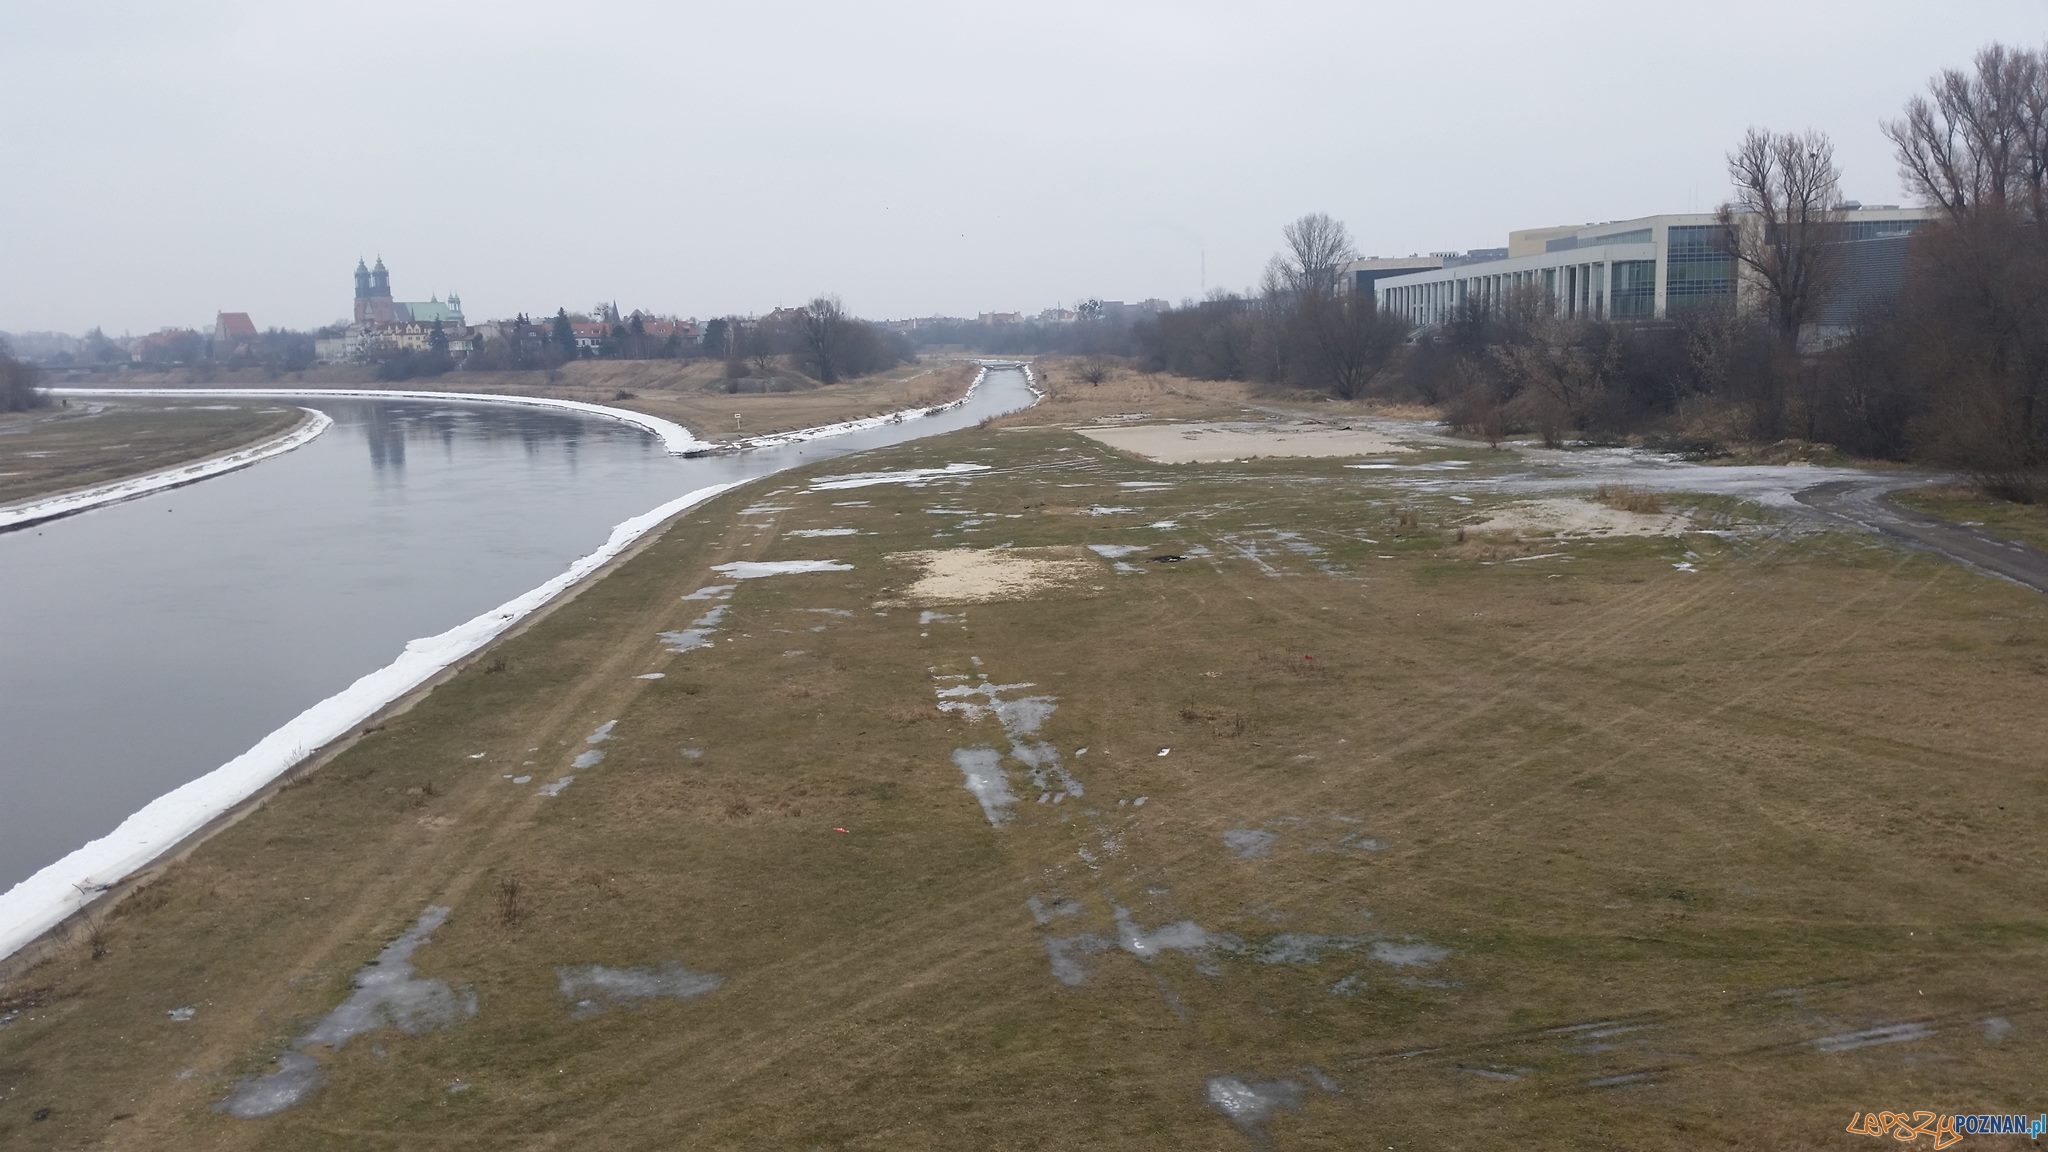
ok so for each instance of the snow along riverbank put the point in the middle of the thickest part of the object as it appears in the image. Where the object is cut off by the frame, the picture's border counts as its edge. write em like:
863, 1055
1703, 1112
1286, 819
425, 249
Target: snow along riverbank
802, 435
45, 899
69, 503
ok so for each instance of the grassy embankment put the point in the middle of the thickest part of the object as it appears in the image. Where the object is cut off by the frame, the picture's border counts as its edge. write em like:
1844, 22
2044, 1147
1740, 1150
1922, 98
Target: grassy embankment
690, 392
1568, 852
58, 449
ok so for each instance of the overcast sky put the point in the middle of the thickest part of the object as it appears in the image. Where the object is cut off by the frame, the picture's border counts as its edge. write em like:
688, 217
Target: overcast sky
165, 161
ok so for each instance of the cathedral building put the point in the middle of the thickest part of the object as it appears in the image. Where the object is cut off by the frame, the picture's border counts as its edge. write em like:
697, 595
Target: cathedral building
376, 308
382, 324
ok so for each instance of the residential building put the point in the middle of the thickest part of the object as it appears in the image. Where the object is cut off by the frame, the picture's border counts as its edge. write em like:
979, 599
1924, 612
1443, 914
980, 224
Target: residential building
1654, 267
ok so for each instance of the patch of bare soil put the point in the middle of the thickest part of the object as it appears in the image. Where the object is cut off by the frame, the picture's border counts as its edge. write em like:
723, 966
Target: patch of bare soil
1213, 443
1569, 516
979, 575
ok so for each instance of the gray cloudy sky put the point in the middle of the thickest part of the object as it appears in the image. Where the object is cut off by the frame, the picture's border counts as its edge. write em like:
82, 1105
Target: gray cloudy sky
169, 160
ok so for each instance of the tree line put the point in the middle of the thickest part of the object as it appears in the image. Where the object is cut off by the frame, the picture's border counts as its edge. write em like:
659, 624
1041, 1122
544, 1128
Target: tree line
1952, 371
18, 379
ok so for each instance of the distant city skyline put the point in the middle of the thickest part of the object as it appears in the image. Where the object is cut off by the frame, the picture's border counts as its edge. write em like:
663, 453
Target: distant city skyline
913, 157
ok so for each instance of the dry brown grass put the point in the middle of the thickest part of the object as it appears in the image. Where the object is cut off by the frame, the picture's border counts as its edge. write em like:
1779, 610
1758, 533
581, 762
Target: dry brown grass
54, 450
690, 392
1728, 812
1629, 498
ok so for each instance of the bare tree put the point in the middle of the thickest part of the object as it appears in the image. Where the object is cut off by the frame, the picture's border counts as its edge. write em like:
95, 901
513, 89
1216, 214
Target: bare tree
823, 322
1095, 369
18, 391
1318, 247
1785, 220
1979, 139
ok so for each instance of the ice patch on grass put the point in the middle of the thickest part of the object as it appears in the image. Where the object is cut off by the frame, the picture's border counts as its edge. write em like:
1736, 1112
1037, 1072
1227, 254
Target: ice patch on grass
913, 477
1409, 954
1871, 1037
1996, 1028
982, 772
929, 617
1251, 1104
759, 569
1115, 551
1305, 947
594, 988
712, 592
1107, 510
1179, 936
1067, 954
698, 634
602, 733
555, 789
1250, 843
589, 758
817, 533
386, 995
652, 676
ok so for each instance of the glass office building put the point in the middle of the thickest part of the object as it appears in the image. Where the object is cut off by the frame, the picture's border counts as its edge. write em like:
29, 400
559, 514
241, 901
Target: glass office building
1651, 268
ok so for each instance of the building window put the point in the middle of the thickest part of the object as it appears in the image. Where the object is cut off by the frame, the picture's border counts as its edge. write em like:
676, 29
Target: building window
1635, 289
1699, 272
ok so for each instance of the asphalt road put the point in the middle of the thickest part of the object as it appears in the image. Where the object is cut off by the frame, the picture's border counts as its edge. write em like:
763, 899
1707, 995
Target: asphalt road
1867, 503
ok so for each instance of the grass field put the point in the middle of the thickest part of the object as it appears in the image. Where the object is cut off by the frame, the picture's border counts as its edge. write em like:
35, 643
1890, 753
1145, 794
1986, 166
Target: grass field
54, 450
2026, 523
1381, 837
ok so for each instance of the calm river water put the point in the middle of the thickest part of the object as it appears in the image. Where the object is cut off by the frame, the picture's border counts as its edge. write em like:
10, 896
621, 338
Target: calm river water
145, 644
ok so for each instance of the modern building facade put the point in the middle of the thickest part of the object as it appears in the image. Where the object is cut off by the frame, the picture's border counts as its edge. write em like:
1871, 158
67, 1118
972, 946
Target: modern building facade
1655, 267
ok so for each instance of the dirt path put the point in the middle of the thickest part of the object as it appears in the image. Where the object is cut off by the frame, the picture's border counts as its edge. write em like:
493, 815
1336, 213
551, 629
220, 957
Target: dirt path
1868, 504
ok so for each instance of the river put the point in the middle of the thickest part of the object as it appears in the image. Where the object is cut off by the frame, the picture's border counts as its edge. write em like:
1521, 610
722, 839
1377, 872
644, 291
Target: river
146, 643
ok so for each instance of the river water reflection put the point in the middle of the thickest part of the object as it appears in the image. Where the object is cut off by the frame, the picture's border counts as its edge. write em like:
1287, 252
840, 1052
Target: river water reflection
144, 644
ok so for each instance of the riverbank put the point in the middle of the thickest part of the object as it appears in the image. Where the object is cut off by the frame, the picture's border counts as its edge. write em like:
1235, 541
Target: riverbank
1169, 803
68, 449
687, 392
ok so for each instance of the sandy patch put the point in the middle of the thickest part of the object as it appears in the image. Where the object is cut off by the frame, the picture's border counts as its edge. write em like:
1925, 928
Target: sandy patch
976, 575
1243, 440
1568, 516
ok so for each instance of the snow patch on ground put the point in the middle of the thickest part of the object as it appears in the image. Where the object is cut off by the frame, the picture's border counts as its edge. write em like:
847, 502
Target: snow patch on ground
759, 569
815, 533
914, 477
